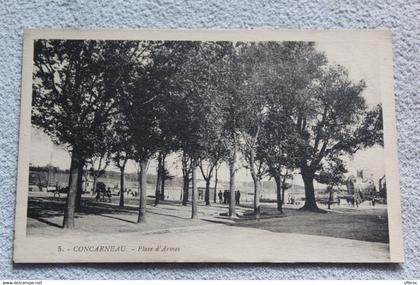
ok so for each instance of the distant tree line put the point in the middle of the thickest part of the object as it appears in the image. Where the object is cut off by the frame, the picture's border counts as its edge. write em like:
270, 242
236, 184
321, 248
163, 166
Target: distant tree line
272, 107
48, 168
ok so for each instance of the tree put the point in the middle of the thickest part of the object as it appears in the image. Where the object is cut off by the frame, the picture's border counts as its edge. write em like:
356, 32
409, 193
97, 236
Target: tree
255, 164
279, 168
258, 170
165, 61
332, 175
167, 144
284, 185
139, 105
261, 71
120, 160
125, 59
165, 176
207, 172
72, 101
142, 126
148, 94
214, 154
168, 60
121, 150
198, 115
159, 177
229, 84
98, 163
333, 121
277, 147
186, 175
216, 180
324, 107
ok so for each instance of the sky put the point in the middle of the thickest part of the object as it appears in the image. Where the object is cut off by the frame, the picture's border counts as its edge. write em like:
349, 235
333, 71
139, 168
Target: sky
360, 59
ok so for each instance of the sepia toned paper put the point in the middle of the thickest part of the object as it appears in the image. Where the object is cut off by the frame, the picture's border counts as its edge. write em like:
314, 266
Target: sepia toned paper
361, 225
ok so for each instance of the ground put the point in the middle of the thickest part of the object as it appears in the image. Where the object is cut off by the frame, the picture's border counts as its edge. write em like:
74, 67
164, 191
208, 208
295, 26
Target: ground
343, 232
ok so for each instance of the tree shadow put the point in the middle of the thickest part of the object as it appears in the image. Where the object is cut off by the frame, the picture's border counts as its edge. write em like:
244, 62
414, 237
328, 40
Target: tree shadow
221, 221
50, 223
166, 215
117, 218
44, 209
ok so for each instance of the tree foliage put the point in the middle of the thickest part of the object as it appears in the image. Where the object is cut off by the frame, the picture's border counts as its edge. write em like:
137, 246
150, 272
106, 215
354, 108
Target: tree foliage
278, 105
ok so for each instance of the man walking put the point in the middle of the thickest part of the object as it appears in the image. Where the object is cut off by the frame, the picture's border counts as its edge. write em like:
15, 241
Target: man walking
237, 197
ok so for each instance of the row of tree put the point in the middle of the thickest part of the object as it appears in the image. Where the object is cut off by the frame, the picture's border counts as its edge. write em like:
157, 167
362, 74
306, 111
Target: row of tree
278, 106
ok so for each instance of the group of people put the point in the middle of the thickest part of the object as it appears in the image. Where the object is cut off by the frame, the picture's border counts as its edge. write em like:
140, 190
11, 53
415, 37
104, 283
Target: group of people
357, 198
224, 197
355, 202
106, 192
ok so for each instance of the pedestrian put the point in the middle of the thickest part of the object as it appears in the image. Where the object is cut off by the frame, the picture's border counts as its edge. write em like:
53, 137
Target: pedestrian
237, 197
225, 196
373, 202
356, 199
98, 193
220, 194
57, 190
108, 194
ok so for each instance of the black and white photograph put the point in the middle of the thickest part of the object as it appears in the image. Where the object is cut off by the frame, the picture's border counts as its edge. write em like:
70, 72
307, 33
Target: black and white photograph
207, 146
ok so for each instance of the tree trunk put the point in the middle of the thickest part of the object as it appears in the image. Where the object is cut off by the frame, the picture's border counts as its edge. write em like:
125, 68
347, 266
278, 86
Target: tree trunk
122, 169
68, 221
163, 178
162, 189
157, 190
95, 180
257, 191
186, 177
329, 199
85, 178
232, 186
279, 189
92, 190
194, 193
79, 187
283, 188
310, 202
186, 190
257, 186
158, 180
207, 192
181, 196
215, 187
144, 164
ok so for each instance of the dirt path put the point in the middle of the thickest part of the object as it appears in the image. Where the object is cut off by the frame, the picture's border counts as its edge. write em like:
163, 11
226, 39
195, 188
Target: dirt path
296, 236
